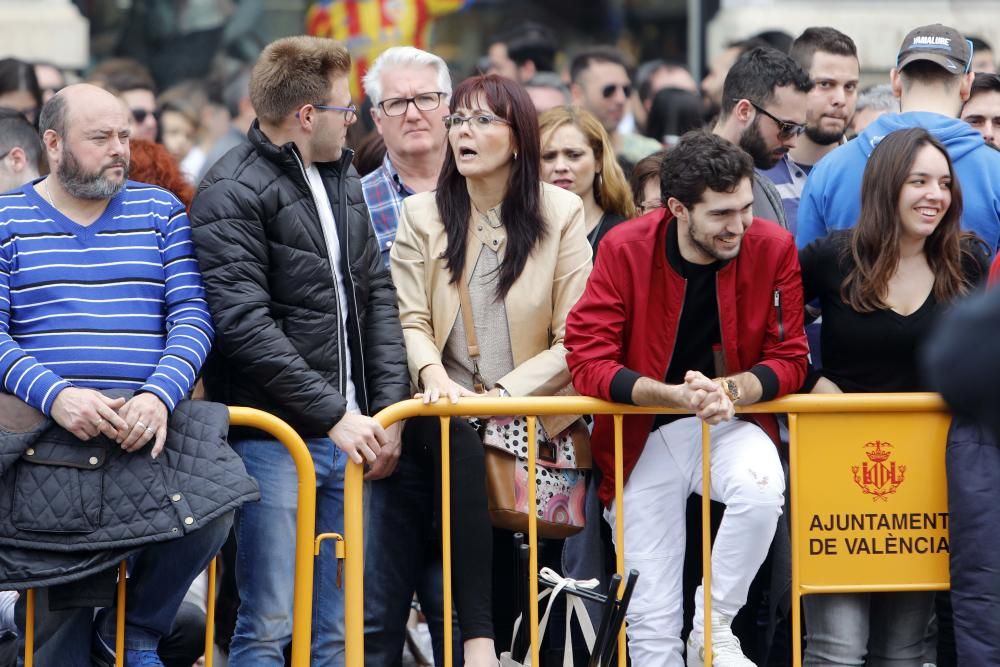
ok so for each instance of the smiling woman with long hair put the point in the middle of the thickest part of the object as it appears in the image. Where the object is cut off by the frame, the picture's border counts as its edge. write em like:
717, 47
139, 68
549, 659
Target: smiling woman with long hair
520, 248
881, 285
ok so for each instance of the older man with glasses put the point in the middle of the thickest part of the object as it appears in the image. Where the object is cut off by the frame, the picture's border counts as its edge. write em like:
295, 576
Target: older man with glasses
409, 90
601, 84
764, 113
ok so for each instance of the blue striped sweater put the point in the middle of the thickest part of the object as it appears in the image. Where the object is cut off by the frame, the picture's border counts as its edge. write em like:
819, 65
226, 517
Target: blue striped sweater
119, 303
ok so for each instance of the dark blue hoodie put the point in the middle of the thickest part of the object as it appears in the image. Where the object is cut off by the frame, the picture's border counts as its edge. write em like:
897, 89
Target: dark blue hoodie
832, 195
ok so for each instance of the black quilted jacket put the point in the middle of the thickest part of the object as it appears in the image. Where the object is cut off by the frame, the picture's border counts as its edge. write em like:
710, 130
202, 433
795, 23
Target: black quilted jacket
263, 256
70, 508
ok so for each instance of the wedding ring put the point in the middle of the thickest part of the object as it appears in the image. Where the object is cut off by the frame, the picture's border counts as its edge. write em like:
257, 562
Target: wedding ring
149, 430
139, 423
100, 420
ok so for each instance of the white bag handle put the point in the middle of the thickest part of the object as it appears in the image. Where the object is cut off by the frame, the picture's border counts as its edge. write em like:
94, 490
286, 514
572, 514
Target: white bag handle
573, 605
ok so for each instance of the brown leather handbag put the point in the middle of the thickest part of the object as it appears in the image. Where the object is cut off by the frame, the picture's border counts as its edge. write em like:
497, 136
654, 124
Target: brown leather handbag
562, 461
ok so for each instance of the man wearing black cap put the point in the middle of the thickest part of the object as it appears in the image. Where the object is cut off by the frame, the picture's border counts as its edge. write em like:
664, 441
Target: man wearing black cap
932, 78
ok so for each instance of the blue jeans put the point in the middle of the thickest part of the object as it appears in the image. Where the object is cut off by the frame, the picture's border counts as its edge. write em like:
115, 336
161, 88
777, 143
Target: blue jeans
265, 556
873, 629
159, 577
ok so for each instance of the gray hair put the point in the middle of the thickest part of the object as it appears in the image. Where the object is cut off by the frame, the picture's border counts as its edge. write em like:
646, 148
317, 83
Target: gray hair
53, 116
404, 56
878, 98
549, 80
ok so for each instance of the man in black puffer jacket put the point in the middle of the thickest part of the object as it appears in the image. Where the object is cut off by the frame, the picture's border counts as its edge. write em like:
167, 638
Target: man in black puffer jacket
307, 327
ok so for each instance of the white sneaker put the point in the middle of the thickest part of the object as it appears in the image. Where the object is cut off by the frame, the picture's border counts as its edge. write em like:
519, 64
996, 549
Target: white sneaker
726, 651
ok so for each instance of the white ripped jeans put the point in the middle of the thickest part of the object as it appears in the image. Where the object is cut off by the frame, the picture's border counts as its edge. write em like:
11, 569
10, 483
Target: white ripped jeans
746, 476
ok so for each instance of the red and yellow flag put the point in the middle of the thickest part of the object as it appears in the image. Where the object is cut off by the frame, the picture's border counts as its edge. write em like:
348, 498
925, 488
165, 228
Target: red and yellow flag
369, 27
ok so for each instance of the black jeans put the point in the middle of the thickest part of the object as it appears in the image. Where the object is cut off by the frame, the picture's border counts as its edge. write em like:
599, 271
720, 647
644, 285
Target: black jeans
405, 533
403, 555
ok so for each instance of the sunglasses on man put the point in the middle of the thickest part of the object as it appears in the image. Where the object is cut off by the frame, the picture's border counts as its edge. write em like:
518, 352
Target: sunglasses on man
786, 128
141, 114
609, 90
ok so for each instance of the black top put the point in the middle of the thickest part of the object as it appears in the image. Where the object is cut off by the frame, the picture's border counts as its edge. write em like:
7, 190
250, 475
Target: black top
877, 351
607, 221
698, 333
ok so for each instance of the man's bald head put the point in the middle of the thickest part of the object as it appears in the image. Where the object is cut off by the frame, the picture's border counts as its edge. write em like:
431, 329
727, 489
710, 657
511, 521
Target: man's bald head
55, 112
85, 130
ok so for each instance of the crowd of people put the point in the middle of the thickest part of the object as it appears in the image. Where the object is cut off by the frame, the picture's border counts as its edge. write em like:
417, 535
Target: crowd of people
263, 239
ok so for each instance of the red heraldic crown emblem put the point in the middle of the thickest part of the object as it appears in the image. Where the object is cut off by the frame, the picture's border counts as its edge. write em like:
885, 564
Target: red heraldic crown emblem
878, 476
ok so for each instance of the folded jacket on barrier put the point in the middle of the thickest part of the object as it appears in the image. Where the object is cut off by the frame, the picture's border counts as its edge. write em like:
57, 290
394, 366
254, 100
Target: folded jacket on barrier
70, 508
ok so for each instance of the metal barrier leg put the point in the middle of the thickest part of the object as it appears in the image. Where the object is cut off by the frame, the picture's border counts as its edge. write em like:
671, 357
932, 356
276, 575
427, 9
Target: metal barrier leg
620, 525
29, 629
210, 613
706, 535
533, 542
793, 510
446, 536
120, 615
305, 526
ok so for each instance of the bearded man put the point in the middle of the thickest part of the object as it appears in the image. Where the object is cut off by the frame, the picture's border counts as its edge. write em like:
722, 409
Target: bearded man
831, 58
100, 290
764, 113
695, 305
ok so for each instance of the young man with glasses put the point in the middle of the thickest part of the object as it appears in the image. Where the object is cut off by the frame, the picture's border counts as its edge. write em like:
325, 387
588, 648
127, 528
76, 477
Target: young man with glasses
601, 84
831, 58
932, 79
764, 113
307, 328
409, 90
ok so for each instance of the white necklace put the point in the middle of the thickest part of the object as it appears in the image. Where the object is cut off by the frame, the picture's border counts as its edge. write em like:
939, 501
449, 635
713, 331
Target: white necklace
48, 195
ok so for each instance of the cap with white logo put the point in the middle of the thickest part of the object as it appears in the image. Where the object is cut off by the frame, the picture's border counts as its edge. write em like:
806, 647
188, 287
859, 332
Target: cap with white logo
939, 44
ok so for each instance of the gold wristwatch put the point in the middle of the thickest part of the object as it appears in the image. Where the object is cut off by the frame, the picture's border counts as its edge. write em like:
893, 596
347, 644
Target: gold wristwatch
730, 387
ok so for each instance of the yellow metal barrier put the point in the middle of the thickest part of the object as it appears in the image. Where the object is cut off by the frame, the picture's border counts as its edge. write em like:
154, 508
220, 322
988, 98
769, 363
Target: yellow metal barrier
305, 527
798, 406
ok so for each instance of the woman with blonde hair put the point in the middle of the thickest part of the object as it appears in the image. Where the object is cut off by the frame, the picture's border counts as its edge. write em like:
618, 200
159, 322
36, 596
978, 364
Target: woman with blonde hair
577, 156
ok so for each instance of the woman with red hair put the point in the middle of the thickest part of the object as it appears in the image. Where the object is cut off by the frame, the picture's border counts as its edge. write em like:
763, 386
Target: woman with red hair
151, 163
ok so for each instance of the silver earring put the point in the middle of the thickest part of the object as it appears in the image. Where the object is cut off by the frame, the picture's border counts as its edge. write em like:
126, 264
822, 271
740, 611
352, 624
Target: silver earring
515, 155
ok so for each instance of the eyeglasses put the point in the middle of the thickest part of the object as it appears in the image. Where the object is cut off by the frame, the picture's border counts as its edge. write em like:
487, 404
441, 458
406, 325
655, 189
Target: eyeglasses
350, 113
140, 115
480, 120
609, 90
786, 128
397, 106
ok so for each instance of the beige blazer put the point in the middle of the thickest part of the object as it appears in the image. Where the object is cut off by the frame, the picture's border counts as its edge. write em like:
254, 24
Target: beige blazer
553, 279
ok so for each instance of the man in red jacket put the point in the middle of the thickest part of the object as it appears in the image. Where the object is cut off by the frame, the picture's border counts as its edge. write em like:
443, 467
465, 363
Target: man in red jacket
696, 290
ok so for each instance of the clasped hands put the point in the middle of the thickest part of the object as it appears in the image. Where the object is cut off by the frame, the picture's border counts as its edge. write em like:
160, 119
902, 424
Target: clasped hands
706, 398
131, 423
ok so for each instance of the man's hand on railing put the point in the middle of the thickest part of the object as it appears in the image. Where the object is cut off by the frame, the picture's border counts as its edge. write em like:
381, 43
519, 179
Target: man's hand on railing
388, 457
703, 395
436, 384
358, 436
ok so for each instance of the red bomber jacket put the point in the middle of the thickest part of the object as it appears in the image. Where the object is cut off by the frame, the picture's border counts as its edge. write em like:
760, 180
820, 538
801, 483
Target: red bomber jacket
628, 317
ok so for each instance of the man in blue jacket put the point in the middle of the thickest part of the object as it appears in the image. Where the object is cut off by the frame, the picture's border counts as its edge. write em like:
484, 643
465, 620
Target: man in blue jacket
932, 80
